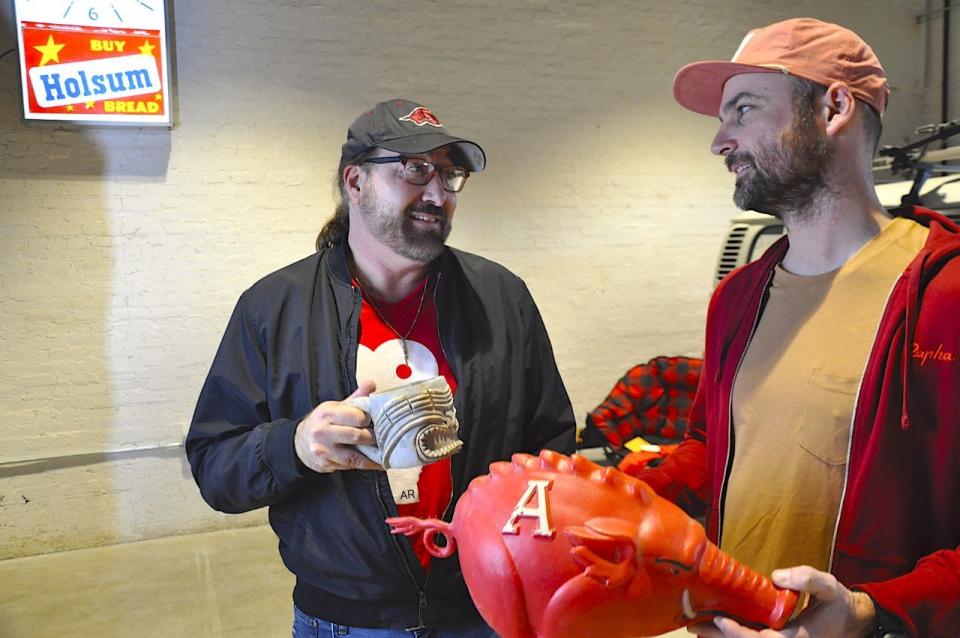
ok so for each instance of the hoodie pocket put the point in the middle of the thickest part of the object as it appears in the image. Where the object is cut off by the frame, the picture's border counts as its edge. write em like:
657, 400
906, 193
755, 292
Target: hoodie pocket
824, 427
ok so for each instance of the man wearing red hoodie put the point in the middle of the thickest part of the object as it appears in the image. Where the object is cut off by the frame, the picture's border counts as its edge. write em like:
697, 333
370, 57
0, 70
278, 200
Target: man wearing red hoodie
825, 435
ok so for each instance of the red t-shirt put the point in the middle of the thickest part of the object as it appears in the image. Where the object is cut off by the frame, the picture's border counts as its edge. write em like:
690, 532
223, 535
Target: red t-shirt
380, 358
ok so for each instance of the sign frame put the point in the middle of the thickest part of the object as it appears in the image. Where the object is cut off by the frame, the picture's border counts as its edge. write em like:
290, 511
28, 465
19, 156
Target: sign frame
95, 62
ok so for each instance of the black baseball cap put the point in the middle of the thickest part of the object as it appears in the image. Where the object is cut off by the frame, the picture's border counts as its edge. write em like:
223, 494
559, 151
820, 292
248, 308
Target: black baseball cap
406, 127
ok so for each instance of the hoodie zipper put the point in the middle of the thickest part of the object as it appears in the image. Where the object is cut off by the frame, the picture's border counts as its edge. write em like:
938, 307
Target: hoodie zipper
853, 421
736, 373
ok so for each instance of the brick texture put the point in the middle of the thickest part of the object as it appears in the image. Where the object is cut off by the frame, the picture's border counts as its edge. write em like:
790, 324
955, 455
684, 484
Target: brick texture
122, 251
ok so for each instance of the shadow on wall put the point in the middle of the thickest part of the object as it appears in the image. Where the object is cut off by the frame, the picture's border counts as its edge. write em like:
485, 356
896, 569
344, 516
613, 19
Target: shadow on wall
58, 185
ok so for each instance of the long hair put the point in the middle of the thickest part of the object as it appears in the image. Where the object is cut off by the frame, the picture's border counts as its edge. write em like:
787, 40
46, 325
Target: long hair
335, 229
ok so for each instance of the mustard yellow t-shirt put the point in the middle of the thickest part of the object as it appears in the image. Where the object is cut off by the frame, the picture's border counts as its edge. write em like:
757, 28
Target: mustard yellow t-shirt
793, 402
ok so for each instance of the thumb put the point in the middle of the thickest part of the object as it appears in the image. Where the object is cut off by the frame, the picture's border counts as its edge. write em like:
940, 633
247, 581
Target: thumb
805, 578
364, 389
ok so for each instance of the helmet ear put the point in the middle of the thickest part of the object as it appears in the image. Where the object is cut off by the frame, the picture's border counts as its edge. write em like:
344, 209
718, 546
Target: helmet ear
605, 548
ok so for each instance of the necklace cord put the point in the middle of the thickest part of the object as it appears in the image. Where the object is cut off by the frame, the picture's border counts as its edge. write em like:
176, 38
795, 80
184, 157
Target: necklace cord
403, 338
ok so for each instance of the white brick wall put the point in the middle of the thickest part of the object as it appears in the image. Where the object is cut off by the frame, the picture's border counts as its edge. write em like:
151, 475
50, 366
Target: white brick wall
123, 251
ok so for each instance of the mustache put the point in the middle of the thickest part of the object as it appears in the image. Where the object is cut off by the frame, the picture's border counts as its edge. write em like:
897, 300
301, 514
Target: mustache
739, 156
429, 209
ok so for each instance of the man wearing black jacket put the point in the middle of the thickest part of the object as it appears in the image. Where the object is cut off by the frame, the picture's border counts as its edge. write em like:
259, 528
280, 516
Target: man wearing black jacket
382, 302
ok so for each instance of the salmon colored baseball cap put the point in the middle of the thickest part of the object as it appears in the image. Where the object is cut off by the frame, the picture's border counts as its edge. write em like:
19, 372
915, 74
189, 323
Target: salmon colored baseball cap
803, 47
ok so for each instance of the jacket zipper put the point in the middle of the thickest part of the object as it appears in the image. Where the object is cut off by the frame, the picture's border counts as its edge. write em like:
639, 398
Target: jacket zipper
853, 421
423, 605
351, 383
421, 596
736, 373
450, 362
436, 310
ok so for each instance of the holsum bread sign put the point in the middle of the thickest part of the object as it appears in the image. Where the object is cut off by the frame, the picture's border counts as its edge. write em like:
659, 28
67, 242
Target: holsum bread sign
95, 62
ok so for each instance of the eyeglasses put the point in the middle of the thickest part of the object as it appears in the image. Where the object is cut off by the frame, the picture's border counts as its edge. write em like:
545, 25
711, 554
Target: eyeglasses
419, 171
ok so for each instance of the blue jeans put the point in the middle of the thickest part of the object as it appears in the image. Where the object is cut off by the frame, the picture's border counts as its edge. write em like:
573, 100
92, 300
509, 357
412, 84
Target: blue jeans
305, 626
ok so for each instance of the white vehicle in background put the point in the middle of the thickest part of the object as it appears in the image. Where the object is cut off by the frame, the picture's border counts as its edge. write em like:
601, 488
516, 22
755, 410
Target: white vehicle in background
752, 233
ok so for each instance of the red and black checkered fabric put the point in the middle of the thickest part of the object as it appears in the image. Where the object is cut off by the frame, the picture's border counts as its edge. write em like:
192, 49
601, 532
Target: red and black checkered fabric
652, 400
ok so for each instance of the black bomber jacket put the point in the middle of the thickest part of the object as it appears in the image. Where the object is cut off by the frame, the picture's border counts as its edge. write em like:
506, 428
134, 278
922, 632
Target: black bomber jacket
291, 344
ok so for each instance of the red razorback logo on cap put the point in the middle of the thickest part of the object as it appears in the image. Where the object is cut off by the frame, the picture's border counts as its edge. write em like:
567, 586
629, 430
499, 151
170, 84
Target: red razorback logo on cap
420, 116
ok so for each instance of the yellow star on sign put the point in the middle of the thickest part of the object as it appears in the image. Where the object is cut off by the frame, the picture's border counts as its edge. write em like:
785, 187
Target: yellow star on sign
89, 105
158, 97
147, 48
50, 51
70, 107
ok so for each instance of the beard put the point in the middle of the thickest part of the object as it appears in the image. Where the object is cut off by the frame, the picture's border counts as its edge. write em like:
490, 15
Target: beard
399, 232
785, 178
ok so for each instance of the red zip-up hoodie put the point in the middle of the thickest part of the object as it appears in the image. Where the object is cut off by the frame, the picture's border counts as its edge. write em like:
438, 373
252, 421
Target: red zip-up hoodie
898, 529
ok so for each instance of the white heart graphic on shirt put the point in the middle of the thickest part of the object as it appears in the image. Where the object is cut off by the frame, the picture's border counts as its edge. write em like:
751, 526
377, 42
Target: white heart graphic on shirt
381, 365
